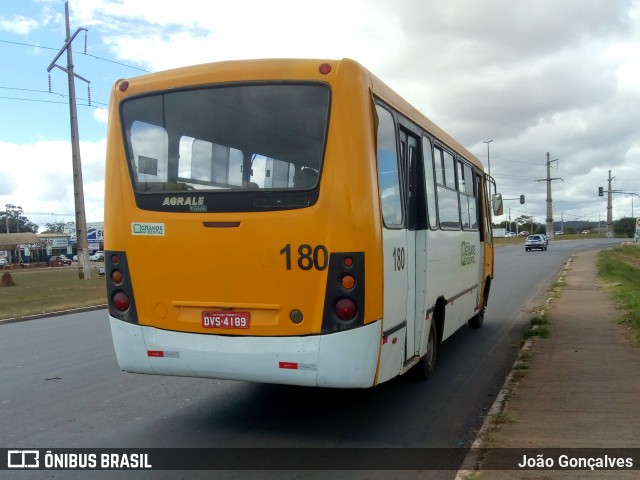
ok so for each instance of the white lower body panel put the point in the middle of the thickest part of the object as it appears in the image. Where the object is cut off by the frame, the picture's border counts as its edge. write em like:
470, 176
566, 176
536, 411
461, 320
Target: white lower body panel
346, 359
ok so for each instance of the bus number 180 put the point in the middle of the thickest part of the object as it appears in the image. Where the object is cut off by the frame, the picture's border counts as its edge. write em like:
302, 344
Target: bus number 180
308, 257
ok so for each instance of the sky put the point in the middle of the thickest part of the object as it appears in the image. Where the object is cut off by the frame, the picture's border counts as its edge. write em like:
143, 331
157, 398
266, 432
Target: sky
534, 77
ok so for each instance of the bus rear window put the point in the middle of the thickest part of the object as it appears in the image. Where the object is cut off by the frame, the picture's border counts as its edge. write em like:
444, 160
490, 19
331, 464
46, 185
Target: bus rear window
224, 139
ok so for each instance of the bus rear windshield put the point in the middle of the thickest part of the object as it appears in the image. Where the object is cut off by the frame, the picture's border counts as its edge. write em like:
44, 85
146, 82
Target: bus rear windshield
226, 140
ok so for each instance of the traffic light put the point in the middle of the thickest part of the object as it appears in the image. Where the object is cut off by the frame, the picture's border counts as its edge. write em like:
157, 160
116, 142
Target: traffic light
600, 191
521, 199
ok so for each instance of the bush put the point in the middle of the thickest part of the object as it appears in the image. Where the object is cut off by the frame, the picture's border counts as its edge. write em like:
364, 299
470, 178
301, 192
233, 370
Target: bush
7, 280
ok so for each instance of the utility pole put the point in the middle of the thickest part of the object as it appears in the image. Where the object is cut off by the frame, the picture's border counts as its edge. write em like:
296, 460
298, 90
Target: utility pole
81, 221
549, 226
609, 209
488, 157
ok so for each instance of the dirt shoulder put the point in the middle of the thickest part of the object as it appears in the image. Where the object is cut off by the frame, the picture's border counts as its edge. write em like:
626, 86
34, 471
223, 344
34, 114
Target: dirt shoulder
579, 388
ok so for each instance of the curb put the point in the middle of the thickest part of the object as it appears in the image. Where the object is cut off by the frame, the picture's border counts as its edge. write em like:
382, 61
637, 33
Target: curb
52, 314
473, 461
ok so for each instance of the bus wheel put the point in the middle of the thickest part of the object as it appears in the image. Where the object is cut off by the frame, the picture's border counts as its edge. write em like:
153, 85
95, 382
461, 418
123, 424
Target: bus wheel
427, 363
477, 320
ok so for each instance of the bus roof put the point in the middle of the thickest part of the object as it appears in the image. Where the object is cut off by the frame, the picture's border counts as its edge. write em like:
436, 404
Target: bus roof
292, 69
384, 92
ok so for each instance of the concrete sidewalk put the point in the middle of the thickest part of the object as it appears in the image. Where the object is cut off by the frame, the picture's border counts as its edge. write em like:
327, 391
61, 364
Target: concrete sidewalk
582, 389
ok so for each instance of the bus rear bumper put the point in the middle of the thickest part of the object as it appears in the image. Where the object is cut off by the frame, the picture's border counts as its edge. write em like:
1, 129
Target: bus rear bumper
346, 359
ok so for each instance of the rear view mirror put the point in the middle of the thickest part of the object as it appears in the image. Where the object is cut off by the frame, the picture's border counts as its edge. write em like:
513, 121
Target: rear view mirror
497, 204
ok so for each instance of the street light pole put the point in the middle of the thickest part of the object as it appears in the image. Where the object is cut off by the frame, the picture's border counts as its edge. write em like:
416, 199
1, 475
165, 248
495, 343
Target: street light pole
488, 157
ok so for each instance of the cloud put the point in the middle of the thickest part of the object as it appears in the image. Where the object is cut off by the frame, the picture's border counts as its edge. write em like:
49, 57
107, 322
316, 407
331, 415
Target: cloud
39, 178
101, 115
18, 24
558, 77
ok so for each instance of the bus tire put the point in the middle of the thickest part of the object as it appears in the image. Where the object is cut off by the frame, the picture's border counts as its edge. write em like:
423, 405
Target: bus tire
477, 320
427, 364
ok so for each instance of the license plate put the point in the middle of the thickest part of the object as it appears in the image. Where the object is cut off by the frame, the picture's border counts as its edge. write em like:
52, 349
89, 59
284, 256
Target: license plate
225, 319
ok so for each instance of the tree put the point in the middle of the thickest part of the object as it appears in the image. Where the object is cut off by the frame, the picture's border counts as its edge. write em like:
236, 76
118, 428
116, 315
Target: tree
526, 222
12, 220
625, 226
55, 227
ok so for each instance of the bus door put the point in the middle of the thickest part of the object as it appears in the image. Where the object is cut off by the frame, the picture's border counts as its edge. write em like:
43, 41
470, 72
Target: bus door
485, 227
413, 258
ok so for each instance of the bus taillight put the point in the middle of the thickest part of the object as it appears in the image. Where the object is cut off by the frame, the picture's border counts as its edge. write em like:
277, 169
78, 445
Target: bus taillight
344, 294
116, 277
120, 301
345, 309
348, 282
122, 304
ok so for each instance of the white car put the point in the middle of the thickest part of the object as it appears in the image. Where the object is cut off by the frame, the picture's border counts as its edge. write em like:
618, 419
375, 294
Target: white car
97, 257
3, 263
535, 242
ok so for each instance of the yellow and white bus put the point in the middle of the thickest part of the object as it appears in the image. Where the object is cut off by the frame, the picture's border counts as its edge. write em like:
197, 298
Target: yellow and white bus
288, 221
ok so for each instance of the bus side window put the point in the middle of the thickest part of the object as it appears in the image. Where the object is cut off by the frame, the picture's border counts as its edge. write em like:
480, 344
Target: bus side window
388, 175
468, 212
429, 183
479, 212
411, 166
448, 202
449, 167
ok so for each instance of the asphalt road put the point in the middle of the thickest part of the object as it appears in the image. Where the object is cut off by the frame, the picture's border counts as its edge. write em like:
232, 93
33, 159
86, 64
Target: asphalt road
60, 387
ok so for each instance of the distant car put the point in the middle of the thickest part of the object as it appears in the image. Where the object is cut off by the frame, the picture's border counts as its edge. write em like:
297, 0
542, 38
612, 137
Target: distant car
75, 258
535, 242
3, 263
586, 232
510, 234
559, 233
97, 257
523, 233
59, 261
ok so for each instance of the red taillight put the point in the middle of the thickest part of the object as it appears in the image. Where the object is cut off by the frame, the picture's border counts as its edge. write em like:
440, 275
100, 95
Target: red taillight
325, 68
345, 309
120, 301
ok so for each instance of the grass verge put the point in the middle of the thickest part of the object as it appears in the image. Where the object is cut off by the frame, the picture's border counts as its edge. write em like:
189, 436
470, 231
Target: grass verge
621, 265
46, 290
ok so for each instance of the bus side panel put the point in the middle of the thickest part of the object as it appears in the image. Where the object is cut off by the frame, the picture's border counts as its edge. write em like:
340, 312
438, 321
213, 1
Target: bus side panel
396, 287
452, 277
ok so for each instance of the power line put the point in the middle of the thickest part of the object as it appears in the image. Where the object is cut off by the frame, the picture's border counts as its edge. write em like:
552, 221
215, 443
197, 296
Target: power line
507, 160
80, 53
88, 104
30, 90
52, 214
56, 101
